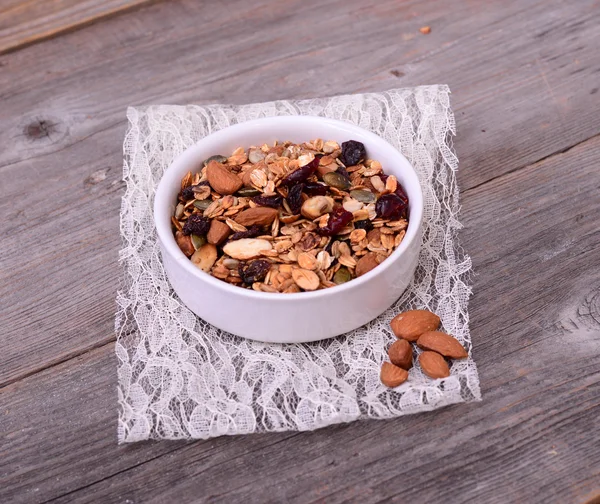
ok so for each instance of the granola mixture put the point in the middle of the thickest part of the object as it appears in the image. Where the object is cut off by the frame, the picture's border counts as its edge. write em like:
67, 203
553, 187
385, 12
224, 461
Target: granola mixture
290, 217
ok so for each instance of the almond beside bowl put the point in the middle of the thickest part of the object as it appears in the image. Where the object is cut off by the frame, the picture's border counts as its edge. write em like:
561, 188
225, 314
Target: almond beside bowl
304, 316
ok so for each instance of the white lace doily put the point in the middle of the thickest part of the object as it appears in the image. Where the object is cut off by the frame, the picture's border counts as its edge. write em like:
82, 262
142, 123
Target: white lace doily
179, 377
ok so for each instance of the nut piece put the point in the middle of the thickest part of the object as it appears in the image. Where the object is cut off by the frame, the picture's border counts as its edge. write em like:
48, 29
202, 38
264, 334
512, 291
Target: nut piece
246, 248
218, 232
442, 343
411, 324
205, 257
305, 279
262, 216
392, 376
366, 263
221, 179
185, 243
434, 365
316, 206
401, 353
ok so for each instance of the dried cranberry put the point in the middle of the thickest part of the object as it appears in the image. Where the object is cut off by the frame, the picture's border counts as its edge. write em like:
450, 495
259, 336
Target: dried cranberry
365, 224
337, 220
391, 206
352, 152
315, 189
401, 192
252, 232
256, 271
196, 224
294, 198
273, 201
302, 173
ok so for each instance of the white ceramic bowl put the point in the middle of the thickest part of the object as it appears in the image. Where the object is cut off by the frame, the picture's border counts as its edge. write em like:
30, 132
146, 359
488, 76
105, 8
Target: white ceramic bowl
288, 318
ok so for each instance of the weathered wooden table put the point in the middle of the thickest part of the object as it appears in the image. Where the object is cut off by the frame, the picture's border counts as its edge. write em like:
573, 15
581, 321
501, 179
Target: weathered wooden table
525, 77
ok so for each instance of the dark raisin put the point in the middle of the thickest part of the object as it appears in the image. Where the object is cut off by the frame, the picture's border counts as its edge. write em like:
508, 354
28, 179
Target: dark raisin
365, 224
252, 232
294, 198
302, 173
315, 189
196, 224
352, 152
256, 271
337, 220
391, 206
342, 171
274, 201
187, 193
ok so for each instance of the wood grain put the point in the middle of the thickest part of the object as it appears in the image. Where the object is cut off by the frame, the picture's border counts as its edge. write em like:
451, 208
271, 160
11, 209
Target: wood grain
26, 22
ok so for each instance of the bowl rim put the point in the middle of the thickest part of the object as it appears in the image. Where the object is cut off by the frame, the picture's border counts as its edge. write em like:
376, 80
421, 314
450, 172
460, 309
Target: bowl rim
167, 238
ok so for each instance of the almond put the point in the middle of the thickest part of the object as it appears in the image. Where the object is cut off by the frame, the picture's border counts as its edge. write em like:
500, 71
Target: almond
218, 232
409, 325
185, 243
205, 257
442, 343
246, 248
392, 376
221, 179
262, 216
366, 263
401, 353
434, 365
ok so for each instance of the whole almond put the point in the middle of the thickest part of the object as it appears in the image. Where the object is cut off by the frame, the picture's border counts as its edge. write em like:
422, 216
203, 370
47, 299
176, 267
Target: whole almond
185, 243
246, 248
366, 263
434, 365
392, 376
401, 353
205, 257
442, 343
218, 232
409, 325
221, 179
262, 216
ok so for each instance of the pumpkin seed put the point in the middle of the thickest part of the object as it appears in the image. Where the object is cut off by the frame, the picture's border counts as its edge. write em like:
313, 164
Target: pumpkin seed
202, 204
342, 275
218, 158
248, 192
256, 155
198, 241
363, 196
337, 180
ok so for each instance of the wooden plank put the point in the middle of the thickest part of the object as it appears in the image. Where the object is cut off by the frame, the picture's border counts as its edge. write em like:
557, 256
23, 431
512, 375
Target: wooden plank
26, 22
63, 122
530, 440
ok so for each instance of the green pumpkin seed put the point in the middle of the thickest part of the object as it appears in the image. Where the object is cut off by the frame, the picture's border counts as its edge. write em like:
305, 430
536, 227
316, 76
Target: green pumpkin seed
202, 204
363, 196
342, 275
248, 192
218, 158
337, 180
198, 241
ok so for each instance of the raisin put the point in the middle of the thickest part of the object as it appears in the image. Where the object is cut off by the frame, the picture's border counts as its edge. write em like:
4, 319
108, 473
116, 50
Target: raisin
196, 224
274, 201
337, 220
256, 271
294, 198
342, 171
302, 173
365, 224
391, 206
352, 152
187, 193
315, 189
252, 232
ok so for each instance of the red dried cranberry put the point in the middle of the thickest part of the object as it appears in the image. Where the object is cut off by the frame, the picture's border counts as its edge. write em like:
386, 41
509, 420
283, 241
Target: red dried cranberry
302, 173
365, 224
196, 224
315, 189
252, 232
294, 198
273, 201
402, 193
256, 271
352, 152
337, 220
391, 206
